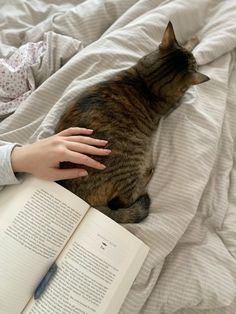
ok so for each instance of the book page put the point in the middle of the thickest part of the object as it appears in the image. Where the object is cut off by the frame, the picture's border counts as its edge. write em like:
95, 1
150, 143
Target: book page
95, 271
36, 219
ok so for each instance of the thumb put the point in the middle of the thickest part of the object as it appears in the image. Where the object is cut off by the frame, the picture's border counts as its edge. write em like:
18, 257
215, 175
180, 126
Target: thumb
63, 174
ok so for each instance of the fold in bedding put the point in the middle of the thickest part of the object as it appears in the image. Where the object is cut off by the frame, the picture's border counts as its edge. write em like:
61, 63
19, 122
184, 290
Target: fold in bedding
191, 229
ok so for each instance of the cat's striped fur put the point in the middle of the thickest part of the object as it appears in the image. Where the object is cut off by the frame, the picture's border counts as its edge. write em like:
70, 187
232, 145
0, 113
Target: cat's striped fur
126, 110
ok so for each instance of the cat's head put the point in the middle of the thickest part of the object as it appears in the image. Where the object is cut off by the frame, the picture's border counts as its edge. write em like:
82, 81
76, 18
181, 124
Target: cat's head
171, 69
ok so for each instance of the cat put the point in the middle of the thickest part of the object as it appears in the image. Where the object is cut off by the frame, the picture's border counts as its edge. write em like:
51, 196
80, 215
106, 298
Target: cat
126, 110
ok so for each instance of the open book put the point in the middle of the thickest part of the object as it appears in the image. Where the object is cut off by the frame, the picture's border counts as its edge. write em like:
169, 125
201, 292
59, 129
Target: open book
42, 223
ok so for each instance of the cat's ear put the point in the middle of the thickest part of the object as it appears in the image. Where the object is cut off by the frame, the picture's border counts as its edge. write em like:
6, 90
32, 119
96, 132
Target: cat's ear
195, 78
168, 39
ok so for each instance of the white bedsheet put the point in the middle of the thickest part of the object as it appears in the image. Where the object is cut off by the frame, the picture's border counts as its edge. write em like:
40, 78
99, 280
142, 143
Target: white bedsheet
191, 229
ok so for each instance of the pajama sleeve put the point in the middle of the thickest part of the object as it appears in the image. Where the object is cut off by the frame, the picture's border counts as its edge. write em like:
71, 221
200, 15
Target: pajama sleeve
7, 176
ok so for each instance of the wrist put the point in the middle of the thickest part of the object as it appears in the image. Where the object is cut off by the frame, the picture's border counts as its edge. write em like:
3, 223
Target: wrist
19, 161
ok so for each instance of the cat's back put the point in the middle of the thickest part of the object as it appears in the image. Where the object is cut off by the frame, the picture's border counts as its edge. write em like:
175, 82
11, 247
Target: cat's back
116, 111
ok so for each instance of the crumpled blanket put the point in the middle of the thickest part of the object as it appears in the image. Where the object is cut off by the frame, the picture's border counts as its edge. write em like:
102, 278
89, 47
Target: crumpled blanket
29, 66
191, 229
16, 83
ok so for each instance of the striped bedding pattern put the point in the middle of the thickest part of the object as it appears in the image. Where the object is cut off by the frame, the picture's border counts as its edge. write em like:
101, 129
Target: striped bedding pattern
191, 230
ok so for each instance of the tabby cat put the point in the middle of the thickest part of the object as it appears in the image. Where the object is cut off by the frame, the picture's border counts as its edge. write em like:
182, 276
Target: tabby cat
126, 110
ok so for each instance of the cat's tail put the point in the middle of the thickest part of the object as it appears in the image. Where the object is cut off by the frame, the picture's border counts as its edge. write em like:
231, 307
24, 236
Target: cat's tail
133, 214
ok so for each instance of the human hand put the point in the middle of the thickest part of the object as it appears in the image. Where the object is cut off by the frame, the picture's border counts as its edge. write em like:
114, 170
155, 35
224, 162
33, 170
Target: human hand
42, 158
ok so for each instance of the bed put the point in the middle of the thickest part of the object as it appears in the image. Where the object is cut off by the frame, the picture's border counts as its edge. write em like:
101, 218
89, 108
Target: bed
191, 229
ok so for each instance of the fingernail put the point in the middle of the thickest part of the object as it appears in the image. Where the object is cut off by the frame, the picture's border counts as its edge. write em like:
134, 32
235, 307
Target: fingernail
83, 173
102, 167
103, 141
108, 151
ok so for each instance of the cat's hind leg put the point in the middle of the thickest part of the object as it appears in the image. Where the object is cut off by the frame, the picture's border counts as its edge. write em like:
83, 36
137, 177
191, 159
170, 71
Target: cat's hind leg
132, 214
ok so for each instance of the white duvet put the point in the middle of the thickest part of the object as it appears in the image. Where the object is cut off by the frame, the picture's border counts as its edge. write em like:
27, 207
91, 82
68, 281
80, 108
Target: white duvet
191, 229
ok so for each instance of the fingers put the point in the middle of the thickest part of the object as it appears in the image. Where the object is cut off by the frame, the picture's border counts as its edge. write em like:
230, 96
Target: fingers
76, 148
78, 158
87, 140
71, 133
75, 130
64, 174
87, 149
